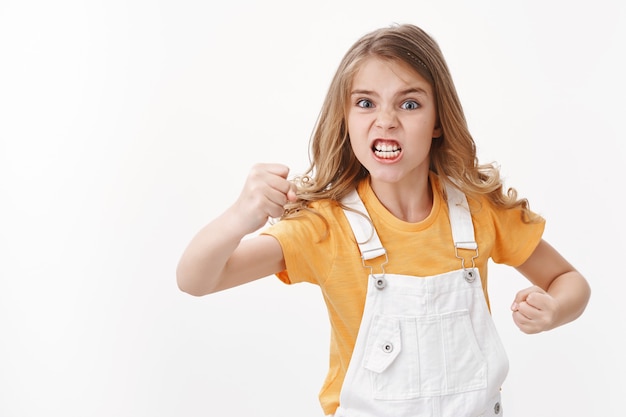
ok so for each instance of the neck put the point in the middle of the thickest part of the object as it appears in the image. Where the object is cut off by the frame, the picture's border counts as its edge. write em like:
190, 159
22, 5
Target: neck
408, 201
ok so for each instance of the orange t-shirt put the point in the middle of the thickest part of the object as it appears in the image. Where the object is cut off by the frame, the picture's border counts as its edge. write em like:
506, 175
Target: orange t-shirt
325, 253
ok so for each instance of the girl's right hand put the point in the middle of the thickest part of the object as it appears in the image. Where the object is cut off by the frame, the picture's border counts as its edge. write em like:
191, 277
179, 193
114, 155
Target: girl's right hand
217, 258
264, 195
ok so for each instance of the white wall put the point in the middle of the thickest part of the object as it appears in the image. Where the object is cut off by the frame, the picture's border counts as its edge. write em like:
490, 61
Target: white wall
125, 125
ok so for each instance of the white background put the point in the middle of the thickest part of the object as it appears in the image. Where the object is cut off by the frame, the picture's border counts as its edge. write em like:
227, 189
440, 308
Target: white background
127, 125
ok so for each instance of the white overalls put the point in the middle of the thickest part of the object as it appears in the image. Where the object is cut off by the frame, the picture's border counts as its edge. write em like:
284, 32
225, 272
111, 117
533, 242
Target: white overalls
427, 346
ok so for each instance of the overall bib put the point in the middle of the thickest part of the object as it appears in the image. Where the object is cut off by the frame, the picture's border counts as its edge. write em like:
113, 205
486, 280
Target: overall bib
427, 346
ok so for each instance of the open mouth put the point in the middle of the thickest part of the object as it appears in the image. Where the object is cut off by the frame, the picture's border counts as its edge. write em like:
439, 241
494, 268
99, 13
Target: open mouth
386, 149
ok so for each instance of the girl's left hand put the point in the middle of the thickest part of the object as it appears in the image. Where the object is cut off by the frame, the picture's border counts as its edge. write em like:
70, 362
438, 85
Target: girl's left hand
534, 310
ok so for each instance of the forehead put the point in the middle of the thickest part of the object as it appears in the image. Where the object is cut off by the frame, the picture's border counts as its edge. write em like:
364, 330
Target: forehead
374, 69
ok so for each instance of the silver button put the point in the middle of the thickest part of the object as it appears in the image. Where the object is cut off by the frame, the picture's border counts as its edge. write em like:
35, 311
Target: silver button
469, 275
380, 282
387, 347
497, 408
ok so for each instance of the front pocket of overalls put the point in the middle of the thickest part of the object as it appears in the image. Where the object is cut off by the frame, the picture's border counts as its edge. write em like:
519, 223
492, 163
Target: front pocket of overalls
392, 368
437, 355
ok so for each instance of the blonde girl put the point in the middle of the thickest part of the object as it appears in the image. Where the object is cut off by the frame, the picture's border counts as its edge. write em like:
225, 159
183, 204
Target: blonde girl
395, 220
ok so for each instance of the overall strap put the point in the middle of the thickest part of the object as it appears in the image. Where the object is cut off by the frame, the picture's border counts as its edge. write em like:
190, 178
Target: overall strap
362, 227
369, 242
460, 219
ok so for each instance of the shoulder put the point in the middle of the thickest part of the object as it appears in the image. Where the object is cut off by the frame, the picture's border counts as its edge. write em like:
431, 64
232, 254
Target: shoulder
513, 238
313, 223
311, 240
515, 217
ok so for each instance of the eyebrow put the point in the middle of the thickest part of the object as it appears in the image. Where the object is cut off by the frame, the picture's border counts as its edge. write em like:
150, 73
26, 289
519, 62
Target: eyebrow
412, 90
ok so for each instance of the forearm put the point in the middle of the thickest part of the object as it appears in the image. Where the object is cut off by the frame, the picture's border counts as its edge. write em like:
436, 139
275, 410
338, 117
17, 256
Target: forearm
216, 259
571, 293
199, 271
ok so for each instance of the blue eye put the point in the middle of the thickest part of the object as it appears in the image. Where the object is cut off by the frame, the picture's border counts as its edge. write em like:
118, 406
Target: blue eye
410, 105
364, 103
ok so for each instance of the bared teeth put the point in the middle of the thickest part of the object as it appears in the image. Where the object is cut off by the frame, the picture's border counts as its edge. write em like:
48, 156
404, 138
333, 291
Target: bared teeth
386, 150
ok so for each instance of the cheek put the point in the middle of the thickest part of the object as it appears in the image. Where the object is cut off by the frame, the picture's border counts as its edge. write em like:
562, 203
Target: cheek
357, 146
350, 124
353, 144
357, 127
425, 127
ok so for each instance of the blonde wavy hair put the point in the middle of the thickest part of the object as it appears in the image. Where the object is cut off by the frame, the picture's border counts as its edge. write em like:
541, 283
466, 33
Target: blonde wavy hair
334, 170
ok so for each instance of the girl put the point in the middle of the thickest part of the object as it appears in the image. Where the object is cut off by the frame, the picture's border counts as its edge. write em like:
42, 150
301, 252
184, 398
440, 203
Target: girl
395, 220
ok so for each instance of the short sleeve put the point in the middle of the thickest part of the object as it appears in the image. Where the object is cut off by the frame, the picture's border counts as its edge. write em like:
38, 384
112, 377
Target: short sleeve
515, 239
306, 248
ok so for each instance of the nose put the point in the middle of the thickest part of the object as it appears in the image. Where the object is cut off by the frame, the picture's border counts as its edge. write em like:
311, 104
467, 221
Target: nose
386, 118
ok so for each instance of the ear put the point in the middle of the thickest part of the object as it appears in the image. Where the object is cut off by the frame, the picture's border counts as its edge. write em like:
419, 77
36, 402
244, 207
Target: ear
437, 131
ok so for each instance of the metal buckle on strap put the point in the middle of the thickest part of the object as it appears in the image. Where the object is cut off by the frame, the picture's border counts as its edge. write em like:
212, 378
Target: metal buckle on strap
379, 280
468, 273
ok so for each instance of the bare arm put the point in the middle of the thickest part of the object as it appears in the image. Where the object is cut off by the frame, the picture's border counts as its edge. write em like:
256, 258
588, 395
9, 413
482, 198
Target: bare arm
219, 257
560, 293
